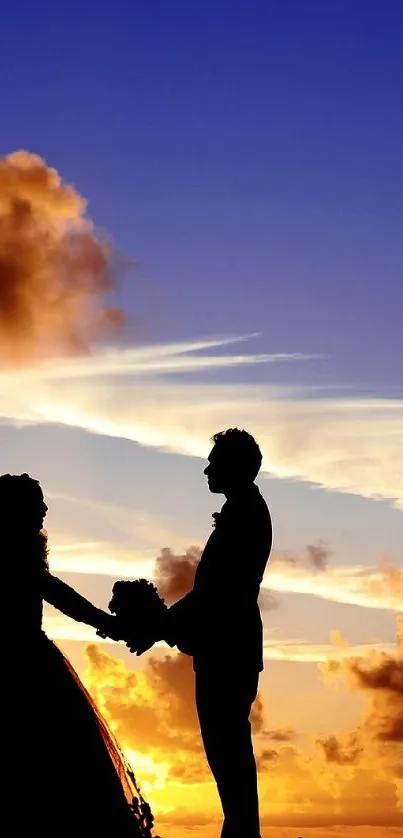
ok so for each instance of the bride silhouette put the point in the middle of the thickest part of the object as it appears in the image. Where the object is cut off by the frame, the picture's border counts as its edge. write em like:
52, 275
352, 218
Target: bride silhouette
62, 770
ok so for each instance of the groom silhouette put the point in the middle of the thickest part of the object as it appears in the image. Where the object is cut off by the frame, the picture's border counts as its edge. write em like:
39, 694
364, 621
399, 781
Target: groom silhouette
219, 624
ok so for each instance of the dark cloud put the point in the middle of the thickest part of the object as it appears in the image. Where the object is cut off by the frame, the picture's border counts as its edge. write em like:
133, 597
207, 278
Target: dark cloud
318, 555
379, 736
341, 752
282, 734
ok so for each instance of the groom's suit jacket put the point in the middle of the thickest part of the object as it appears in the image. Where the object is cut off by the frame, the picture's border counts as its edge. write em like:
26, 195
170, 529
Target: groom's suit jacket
219, 621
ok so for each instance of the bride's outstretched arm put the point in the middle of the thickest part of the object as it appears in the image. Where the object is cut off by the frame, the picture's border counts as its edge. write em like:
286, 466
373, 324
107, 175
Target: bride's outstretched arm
67, 600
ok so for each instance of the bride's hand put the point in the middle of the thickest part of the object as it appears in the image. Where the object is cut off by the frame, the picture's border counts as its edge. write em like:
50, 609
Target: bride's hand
109, 627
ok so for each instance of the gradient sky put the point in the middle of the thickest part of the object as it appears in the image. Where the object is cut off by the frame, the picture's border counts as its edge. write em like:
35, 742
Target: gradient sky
249, 157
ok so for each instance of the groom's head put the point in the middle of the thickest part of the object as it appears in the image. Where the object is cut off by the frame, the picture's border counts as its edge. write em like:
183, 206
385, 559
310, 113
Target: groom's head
233, 462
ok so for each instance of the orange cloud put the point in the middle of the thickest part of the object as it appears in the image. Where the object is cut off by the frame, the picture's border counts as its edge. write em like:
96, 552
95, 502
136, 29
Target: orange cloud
380, 677
152, 712
54, 271
342, 754
153, 715
378, 739
174, 573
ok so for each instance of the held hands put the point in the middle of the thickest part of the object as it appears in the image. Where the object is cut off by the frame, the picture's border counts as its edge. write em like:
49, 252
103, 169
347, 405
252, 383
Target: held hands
147, 636
143, 645
109, 627
140, 615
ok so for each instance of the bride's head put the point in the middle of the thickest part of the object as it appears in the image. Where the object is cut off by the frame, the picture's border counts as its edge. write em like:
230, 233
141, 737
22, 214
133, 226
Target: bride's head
22, 505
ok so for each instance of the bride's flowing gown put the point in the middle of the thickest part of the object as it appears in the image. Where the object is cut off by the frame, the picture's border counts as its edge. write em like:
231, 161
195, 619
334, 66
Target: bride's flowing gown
65, 773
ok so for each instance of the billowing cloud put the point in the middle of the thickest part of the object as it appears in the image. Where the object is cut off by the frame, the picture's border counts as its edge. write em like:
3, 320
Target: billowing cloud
153, 715
349, 444
379, 676
55, 273
152, 712
378, 738
174, 573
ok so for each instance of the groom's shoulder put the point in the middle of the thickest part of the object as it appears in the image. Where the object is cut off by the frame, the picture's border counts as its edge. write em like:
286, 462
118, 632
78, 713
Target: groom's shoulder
260, 508
261, 502
250, 506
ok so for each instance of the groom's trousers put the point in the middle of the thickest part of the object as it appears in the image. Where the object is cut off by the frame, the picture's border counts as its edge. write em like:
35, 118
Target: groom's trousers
224, 697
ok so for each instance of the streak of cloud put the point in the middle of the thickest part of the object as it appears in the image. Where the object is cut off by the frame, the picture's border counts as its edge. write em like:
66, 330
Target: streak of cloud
61, 628
376, 587
162, 359
367, 587
346, 444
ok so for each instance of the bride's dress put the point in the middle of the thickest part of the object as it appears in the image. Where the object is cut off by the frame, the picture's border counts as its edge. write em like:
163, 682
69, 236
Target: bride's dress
65, 774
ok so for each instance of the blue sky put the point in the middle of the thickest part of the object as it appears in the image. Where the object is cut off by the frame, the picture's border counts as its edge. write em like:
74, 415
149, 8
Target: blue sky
248, 155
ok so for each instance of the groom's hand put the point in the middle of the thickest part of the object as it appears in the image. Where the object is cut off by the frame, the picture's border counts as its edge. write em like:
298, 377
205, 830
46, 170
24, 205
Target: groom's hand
140, 645
144, 645
151, 635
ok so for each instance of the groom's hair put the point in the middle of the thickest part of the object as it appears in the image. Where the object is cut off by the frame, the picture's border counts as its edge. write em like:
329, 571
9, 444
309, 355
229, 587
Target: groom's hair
240, 446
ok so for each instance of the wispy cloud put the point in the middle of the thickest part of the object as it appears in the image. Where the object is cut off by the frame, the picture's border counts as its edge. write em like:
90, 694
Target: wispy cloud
61, 628
132, 525
376, 587
101, 558
158, 359
366, 587
320, 653
345, 444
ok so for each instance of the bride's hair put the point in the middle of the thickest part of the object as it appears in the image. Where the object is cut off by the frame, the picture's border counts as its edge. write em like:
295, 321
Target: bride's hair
18, 496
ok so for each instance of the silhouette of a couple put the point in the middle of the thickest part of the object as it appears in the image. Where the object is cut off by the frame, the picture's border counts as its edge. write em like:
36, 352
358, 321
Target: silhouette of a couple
65, 771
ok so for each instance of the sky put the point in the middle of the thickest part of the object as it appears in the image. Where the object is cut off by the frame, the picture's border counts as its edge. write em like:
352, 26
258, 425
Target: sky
244, 161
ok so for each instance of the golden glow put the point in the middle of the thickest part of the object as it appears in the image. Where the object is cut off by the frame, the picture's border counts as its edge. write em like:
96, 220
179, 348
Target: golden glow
153, 774
328, 781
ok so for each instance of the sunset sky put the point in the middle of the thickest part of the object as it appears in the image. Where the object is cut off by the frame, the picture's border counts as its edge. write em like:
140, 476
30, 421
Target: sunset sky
245, 159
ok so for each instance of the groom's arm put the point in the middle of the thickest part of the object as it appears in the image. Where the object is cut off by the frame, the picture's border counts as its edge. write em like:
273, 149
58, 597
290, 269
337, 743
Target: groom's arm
67, 600
178, 621
202, 605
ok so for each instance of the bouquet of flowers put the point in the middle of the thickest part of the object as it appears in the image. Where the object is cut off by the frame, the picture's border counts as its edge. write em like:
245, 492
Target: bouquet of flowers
140, 613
